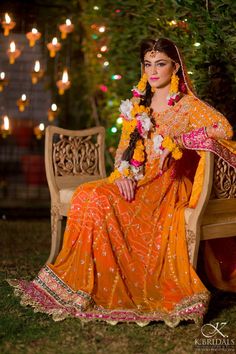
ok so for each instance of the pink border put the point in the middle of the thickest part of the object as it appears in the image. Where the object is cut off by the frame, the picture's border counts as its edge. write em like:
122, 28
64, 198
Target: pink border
198, 140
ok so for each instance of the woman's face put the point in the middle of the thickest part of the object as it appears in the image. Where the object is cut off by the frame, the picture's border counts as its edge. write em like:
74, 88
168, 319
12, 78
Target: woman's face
159, 69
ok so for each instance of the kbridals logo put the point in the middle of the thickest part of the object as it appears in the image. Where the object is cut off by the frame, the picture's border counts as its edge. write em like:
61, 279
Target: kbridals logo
215, 338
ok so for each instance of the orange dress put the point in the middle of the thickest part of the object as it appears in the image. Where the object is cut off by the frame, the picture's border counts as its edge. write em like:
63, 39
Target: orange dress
128, 261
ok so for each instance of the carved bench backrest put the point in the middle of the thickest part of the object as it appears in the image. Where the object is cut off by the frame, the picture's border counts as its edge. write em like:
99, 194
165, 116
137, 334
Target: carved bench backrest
74, 157
224, 180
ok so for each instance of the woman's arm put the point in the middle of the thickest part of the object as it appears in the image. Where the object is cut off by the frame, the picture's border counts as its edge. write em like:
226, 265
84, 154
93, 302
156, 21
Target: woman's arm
206, 126
202, 115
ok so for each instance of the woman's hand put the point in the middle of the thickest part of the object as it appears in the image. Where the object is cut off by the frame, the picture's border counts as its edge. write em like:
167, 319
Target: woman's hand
163, 159
126, 187
215, 132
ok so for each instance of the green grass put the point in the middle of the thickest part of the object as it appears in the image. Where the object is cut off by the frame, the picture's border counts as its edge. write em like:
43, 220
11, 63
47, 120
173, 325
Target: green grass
24, 248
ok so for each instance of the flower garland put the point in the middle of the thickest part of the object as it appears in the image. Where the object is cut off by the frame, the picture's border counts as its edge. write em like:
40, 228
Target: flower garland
138, 116
169, 144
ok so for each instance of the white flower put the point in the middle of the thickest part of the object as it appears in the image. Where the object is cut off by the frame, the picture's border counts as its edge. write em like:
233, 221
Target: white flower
123, 165
137, 171
125, 109
146, 121
146, 124
157, 141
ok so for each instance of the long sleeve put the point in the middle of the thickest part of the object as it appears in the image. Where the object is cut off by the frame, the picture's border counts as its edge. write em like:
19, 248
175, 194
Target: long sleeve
203, 115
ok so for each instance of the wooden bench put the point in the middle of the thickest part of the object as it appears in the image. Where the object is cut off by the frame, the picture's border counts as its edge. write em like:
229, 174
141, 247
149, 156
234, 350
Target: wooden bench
76, 157
215, 213
72, 157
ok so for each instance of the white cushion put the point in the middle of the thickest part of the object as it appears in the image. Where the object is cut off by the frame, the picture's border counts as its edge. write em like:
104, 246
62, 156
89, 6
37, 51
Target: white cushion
66, 195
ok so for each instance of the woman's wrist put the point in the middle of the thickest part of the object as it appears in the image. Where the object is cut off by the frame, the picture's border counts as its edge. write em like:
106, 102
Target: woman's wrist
178, 141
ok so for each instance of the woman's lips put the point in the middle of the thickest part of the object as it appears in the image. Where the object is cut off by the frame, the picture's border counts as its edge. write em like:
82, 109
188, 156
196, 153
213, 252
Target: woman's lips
154, 78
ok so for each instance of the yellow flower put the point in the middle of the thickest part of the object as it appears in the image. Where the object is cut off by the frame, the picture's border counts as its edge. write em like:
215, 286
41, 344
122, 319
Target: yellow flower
128, 127
139, 109
113, 176
126, 172
177, 153
168, 143
139, 151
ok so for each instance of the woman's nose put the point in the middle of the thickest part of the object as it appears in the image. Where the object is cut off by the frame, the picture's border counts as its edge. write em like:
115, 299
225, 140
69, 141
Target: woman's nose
154, 70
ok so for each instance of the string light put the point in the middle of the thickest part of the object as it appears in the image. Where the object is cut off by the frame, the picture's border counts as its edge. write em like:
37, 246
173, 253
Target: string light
116, 77
103, 88
119, 120
106, 63
103, 48
96, 8
197, 44
102, 29
114, 130
99, 55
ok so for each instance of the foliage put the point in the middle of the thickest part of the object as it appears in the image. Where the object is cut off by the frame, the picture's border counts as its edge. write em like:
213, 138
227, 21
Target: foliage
212, 64
186, 22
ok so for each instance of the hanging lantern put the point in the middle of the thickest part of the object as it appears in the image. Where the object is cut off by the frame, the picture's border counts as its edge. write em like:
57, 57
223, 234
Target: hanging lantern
39, 131
13, 53
64, 83
52, 112
54, 46
66, 28
8, 24
22, 103
37, 73
33, 36
5, 127
3, 81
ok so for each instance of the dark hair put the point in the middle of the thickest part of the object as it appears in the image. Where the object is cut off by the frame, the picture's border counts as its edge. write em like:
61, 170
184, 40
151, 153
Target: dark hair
166, 46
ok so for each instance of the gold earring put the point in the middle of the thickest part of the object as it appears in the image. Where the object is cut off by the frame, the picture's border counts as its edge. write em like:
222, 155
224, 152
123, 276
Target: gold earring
174, 85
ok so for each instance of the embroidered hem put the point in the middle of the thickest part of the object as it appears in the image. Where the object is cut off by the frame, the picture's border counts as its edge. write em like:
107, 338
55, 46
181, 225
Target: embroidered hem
81, 305
198, 140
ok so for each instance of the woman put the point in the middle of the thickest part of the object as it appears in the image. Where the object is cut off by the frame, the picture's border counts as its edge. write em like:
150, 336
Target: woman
124, 256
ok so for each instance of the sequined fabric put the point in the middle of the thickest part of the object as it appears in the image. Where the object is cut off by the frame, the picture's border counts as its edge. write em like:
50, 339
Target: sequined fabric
128, 261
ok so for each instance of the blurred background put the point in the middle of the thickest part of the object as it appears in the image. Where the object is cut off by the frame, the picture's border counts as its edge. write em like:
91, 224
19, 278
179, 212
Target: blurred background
69, 63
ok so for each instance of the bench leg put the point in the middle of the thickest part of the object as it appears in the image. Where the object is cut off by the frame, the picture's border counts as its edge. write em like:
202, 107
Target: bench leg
193, 239
56, 236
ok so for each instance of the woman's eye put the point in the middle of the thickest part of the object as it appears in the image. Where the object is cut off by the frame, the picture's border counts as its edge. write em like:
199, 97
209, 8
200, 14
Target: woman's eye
146, 65
161, 64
